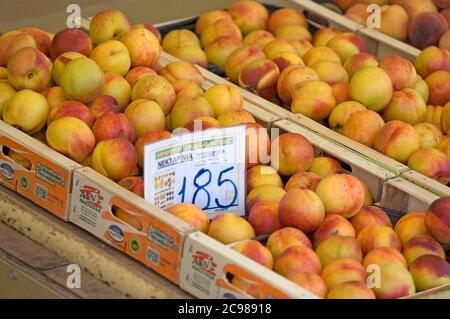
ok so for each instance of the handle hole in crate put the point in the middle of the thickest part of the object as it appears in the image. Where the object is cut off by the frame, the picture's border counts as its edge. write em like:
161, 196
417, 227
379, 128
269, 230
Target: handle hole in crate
128, 218
17, 158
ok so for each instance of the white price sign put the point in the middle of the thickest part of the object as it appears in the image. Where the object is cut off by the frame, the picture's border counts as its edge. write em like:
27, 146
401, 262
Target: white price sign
205, 168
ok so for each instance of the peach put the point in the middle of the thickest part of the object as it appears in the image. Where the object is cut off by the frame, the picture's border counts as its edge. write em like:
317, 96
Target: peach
192, 54
360, 10
192, 215
429, 135
421, 245
117, 87
264, 218
223, 98
181, 71
55, 96
336, 247
108, 25
342, 113
13, 41
303, 180
444, 42
384, 255
27, 111
426, 28
431, 163
343, 270
186, 109
70, 40
330, 72
156, 88
395, 282
71, 137
370, 215
188, 89
114, 158
341, 194
313, 99
262, 175
445, 118
202, 123
103, 104
437, 220
74, 109
368, 196
372, 87
235, 117
444, 146
29, 68
218, 51
363, 127
249, 15
260, 76
258, 38
209, 18
179, 38
269, 194
414, 7
411, 225
253, 290
290, 78
301, 46
351, 290
285, 238
137, 73
112, 56
143, 47
286, 16
239, 58
41, 38
421, 87
323, 166
398, 140
149, 138
401, 71
3, 73
145, 116
285, 59
341, 92
292, 153
344, 4
309, 281
406, 105
318, 54
430, 272
278, 46
297, 259
307, 216
77, 85
323, 36
134, 184
150, 28
346, 45
6, 92
394, 22
111, 125
228, 228
446, 14
254, 250
374, 236
59, 64
218, 29
439, 90
360, 61
292, 32
432, 59
333, 224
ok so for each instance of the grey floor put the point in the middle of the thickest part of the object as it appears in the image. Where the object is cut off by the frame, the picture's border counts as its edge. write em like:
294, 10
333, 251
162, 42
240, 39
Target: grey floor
51, 15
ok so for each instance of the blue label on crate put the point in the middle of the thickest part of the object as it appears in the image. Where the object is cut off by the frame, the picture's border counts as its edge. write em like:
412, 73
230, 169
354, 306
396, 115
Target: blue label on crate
116, 233
7, 171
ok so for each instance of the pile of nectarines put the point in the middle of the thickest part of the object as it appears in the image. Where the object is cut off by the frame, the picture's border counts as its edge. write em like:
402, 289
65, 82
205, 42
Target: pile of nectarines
399, 108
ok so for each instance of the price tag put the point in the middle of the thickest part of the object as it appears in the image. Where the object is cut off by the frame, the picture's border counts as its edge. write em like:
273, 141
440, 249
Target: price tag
205, 168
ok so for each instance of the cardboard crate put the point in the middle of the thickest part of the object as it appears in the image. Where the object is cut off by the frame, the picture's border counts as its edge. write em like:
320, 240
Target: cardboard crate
35, 171
149, 234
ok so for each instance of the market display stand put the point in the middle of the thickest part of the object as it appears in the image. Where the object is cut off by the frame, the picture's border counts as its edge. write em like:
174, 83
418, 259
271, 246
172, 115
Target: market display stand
36, 248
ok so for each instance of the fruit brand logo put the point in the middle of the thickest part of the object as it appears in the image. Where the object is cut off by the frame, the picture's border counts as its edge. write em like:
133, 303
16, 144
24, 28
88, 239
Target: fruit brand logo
204, 263
24, 182
227, 295
91, 197
116, 233
7, 171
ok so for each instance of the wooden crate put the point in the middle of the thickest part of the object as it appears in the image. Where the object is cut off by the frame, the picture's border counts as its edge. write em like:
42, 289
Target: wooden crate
35, 171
